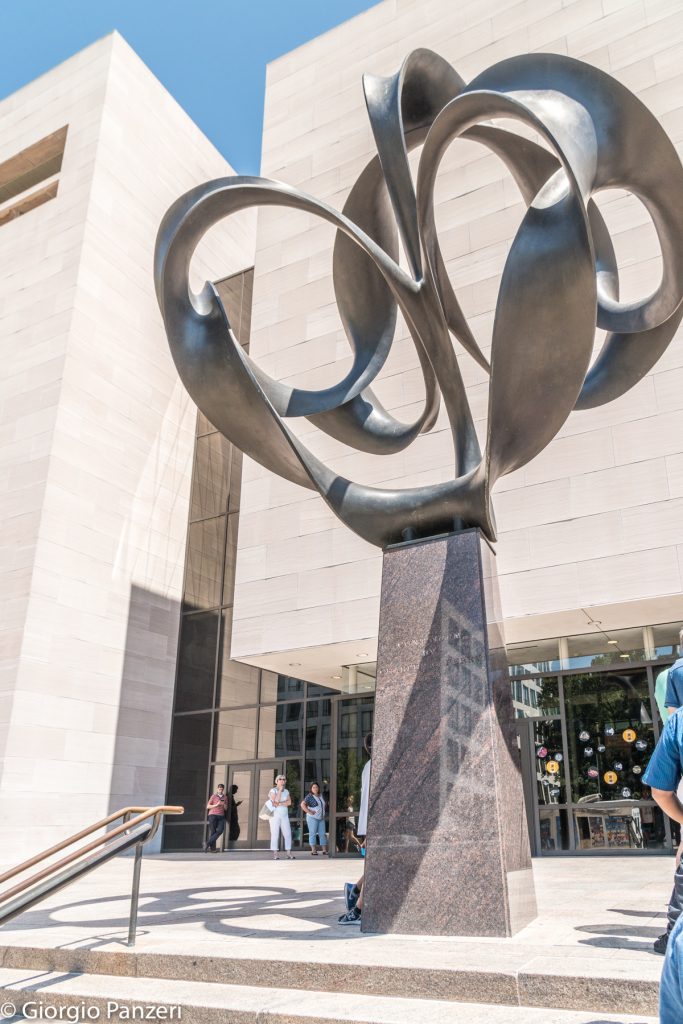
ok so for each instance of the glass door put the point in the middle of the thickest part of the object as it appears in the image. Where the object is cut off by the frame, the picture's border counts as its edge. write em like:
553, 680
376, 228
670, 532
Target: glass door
546, 758
611, 735
248, 786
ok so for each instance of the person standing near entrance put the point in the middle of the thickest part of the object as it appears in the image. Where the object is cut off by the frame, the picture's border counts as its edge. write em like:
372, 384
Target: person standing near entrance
281, 801
313, 807
217, 808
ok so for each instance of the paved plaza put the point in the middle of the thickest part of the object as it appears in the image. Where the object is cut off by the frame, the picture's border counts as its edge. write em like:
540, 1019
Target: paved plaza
241, 927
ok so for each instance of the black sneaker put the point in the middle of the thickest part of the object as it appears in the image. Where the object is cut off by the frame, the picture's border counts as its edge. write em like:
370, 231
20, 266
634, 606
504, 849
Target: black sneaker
661, 943
352, 917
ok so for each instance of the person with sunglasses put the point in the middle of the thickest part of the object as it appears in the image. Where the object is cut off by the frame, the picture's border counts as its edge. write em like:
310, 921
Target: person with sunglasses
281, 801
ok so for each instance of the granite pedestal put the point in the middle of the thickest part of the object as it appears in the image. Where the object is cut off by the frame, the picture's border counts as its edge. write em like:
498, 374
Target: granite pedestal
447, 847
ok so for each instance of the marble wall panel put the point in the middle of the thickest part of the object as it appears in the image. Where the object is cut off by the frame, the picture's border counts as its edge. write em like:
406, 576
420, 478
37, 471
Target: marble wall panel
589, 498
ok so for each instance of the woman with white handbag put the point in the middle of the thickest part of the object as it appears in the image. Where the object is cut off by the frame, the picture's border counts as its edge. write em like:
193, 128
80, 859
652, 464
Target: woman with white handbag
280, 801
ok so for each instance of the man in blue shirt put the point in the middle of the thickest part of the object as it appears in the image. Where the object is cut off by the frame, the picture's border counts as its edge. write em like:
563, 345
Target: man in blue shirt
663, 774
674, 685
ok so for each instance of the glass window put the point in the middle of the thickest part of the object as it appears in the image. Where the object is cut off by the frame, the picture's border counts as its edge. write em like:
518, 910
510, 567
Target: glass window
210, 477
293, 775
204, 564
320, 691
549, 762
351, 756
318, 770
318, 730
196, 661
610, 734
346, 832
533, 656
554, 829
289, 729
536, 697
235, 735
289, 688
591, 650
666, 640
183, 837
601, 825
237, 683
189, 764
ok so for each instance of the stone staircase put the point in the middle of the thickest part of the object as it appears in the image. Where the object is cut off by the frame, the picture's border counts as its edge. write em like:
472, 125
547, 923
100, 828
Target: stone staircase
90, 984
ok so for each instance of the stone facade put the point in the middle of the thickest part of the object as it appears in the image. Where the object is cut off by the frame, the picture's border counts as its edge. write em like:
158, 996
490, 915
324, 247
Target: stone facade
96, 445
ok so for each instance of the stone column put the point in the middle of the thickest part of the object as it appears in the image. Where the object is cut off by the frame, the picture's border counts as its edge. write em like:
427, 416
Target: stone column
448, 847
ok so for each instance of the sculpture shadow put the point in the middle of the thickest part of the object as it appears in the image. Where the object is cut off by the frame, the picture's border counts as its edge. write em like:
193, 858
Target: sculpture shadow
220, 909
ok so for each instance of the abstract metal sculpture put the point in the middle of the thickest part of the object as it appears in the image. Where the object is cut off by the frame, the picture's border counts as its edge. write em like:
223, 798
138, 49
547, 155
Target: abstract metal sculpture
560, 281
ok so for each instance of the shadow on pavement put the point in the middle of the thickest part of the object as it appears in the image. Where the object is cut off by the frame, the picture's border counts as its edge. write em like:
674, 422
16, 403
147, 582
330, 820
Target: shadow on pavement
240, 911
621, 936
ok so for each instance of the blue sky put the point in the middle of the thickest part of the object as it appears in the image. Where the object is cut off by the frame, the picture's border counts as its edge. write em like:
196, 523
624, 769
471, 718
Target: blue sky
211, 54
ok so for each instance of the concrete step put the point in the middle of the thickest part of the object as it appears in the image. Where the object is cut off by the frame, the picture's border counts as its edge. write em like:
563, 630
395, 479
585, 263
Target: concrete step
593, 985
30, 995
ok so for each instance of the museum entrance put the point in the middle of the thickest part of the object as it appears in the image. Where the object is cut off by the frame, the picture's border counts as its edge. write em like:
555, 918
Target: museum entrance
248, 786
584, 751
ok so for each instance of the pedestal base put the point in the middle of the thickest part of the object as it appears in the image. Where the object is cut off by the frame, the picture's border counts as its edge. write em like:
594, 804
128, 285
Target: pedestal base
447, 848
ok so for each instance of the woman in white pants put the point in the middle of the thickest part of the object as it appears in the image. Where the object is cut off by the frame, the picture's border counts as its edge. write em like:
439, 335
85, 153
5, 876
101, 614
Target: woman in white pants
281, 801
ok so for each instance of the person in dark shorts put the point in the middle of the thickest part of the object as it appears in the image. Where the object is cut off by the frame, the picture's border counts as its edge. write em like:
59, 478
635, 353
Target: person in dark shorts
217, 808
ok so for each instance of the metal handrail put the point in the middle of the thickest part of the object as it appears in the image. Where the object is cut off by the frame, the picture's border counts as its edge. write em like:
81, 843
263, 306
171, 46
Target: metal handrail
128, 823
123, 813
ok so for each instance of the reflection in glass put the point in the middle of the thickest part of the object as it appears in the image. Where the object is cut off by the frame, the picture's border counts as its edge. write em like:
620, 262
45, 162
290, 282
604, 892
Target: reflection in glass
554, 829
237, 683
196, 661
549, 763
598, 648
188, 764
289, 688
240, 809
604, 707
235, 735
204, 564
665, 640
535, 697
538, 656
293, 776
318, 729
351, 757
183, 837
266, 781
289, 729
617, 825
347, 840
210, 477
